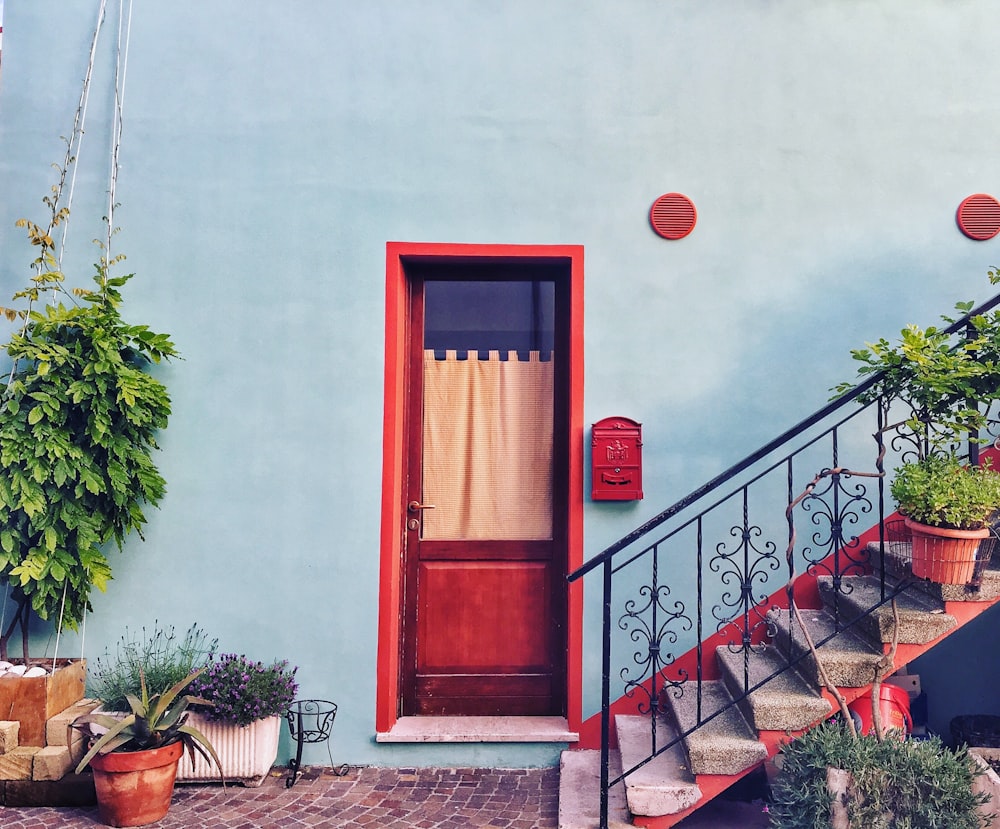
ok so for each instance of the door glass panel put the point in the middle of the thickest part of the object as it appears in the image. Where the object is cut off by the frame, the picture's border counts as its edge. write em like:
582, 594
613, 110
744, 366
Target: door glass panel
489, 316
487, 420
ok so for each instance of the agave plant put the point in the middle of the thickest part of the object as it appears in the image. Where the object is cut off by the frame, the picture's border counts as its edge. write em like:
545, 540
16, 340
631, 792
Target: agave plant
155, 721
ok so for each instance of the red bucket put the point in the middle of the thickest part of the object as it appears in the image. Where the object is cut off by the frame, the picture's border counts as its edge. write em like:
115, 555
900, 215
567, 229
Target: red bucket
894, 707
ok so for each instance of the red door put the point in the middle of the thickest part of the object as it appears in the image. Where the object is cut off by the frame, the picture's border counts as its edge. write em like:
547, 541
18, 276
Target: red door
485, 491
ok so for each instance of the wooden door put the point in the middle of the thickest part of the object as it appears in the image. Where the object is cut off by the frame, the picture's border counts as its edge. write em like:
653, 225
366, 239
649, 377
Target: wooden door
484, 493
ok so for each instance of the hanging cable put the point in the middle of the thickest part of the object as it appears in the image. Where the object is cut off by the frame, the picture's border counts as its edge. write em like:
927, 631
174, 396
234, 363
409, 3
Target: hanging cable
72, 154
74, 145
73, 148
121, 69
121, 66
62, 609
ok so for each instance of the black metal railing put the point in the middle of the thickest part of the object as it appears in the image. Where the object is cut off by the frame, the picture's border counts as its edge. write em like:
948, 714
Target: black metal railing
667, 587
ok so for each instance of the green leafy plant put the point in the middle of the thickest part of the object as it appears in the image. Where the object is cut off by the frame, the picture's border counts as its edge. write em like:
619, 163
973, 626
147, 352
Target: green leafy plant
155, 721
159, 657
942, 377
902, 784
243, 691
941, 492
926, 371
78, 419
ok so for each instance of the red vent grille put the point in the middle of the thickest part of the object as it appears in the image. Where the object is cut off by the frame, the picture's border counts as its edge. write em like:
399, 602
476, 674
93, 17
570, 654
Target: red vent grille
979, 217
673, 216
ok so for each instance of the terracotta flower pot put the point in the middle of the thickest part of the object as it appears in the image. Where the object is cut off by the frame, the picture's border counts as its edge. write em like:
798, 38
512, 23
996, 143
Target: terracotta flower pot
944, 555
135, 787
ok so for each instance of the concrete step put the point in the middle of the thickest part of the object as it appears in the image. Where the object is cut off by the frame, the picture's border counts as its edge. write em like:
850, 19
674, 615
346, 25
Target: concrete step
785, 701
921, 617
897, 565
665, 785
580, 791
725, 744
850, 660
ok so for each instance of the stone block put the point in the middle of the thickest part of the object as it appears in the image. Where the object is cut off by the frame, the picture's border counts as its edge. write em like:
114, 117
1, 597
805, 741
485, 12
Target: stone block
51, 763
72, 790
33, 700
59, 730
16, 764
8, 735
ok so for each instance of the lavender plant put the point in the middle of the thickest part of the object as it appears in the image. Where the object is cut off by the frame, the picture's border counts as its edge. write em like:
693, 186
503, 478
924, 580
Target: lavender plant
158, 656
243, 691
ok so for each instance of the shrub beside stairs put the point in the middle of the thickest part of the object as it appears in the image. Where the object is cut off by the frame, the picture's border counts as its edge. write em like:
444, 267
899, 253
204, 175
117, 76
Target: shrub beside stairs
678, 782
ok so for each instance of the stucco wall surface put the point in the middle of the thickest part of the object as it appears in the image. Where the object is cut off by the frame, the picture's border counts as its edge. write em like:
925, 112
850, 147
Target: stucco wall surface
271, 150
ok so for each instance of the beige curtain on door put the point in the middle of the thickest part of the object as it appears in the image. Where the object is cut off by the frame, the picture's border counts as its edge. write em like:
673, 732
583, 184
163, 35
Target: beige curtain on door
487, 446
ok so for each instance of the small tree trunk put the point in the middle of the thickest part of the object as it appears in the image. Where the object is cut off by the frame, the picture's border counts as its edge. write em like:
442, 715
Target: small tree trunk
838, 783
886, 664
833, 689
21, 617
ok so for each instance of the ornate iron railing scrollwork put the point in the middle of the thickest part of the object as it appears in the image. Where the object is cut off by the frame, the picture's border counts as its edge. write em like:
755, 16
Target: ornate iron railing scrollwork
739, 574
734, 600
831, 508
650, 625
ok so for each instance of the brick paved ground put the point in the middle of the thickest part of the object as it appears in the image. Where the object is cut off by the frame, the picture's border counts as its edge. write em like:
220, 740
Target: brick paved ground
366, 798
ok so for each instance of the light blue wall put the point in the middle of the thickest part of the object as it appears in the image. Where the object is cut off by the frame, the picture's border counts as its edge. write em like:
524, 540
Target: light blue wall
271, 150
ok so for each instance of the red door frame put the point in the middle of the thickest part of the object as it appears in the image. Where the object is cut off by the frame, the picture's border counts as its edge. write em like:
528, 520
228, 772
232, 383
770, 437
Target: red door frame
391, 537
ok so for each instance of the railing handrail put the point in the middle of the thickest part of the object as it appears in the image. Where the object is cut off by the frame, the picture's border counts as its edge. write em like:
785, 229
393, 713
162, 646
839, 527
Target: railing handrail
765, 450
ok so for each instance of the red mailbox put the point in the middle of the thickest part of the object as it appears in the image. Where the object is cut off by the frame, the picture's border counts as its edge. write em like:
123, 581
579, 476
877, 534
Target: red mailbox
616, 460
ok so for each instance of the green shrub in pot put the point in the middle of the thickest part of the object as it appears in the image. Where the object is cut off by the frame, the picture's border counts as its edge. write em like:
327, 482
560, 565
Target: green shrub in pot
940, 491
158, 655
156, 720
134, 757
895, 783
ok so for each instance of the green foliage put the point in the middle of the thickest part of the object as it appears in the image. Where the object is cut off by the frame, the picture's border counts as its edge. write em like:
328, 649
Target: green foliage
155, 721
159, 657
77, 424
243, 691
939, 376
899, 784
940, 491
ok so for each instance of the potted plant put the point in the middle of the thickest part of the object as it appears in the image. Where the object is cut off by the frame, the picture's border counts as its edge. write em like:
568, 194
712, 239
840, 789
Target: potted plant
948, 509
248, 700
159, 654
830, 778
944, 379
135, 760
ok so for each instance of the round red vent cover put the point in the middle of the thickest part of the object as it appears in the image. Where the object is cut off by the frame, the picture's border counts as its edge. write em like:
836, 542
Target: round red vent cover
673, 216
979, 217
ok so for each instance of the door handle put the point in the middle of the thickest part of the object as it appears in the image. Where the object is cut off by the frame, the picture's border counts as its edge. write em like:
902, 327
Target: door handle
416, 506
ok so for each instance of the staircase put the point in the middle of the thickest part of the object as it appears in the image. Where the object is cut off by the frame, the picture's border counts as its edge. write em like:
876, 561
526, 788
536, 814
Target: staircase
734, 733
704, 670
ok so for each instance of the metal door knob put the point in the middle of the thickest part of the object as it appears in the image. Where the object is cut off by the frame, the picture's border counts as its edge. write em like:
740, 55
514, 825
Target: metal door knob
416, 506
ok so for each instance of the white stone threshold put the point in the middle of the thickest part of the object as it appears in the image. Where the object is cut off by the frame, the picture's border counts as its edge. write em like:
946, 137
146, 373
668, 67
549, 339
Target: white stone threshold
479, 730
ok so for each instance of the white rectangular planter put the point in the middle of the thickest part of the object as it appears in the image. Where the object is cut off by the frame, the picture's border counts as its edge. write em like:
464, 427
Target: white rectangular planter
247, 753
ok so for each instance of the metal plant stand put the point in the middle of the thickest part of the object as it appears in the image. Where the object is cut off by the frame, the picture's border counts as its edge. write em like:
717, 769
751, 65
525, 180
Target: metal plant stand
310, 721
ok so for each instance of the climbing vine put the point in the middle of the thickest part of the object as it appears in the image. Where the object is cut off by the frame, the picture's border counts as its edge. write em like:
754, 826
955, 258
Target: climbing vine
78, 419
